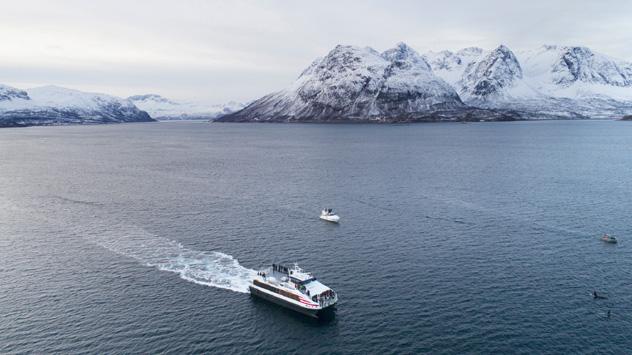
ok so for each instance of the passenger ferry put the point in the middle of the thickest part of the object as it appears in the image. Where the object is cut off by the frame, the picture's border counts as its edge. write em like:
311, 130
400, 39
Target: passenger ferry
295, 289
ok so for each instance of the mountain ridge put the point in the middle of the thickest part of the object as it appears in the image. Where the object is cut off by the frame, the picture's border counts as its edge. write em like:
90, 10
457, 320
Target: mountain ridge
557, 82
360, 84
164, 109
54, 105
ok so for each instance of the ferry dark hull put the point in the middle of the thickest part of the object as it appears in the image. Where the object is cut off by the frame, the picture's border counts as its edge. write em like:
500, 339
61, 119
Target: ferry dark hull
314, 313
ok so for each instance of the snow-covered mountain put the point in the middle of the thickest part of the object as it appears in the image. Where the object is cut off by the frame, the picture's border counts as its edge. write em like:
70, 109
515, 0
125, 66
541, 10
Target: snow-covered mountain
360, 84
450, 65
165, 109
9, 93
49, 105
549, 82
489, 76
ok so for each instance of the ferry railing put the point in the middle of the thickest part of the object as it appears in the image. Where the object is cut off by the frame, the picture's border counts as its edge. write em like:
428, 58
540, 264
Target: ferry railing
326, 302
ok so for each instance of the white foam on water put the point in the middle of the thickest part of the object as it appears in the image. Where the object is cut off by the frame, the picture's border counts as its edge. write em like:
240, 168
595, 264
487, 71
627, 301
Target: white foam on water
213, 269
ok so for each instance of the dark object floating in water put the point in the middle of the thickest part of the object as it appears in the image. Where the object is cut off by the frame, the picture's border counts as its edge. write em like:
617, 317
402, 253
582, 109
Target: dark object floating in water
609, 239
598, 296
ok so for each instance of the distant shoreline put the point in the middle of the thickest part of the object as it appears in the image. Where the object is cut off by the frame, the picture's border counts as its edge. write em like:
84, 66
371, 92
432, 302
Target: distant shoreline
313, 122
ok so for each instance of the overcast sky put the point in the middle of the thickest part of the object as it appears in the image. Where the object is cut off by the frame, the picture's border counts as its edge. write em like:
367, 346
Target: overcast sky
216, 51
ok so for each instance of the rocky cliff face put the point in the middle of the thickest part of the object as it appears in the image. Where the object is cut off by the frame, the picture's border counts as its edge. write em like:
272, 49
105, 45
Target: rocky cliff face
51, 105
410, 85
580, 64
488, 77
361, 85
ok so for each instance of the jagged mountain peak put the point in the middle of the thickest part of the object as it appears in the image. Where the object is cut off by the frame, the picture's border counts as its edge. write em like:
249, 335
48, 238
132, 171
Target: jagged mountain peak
344, 71
403, 55
502, 56
581, 64
550, 81
352, 61
357, 83
401, 50
575, 66
344, 56
497, 70
567, 49
503, 49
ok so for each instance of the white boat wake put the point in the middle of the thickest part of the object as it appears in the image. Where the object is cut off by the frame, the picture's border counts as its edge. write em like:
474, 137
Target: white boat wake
213, 269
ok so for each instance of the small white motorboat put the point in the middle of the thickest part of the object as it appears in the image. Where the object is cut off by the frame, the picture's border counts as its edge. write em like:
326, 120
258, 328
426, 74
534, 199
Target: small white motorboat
609, 239
328, 215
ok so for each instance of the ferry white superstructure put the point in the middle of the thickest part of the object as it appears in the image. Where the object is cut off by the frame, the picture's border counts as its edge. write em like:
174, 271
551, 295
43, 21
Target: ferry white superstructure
295, 289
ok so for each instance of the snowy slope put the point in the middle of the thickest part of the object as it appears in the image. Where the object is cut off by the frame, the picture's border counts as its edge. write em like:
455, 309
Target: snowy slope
491, 76
577, 72
410, 77
56, 105
162, 108
549, 82
360, 84
8, 93
450, 66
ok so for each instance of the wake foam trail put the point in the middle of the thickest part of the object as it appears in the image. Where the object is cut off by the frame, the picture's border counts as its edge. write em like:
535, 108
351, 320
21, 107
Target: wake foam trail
213, 269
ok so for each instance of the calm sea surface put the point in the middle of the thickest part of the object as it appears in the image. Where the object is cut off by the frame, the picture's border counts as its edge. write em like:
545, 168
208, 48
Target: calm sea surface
454, 238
